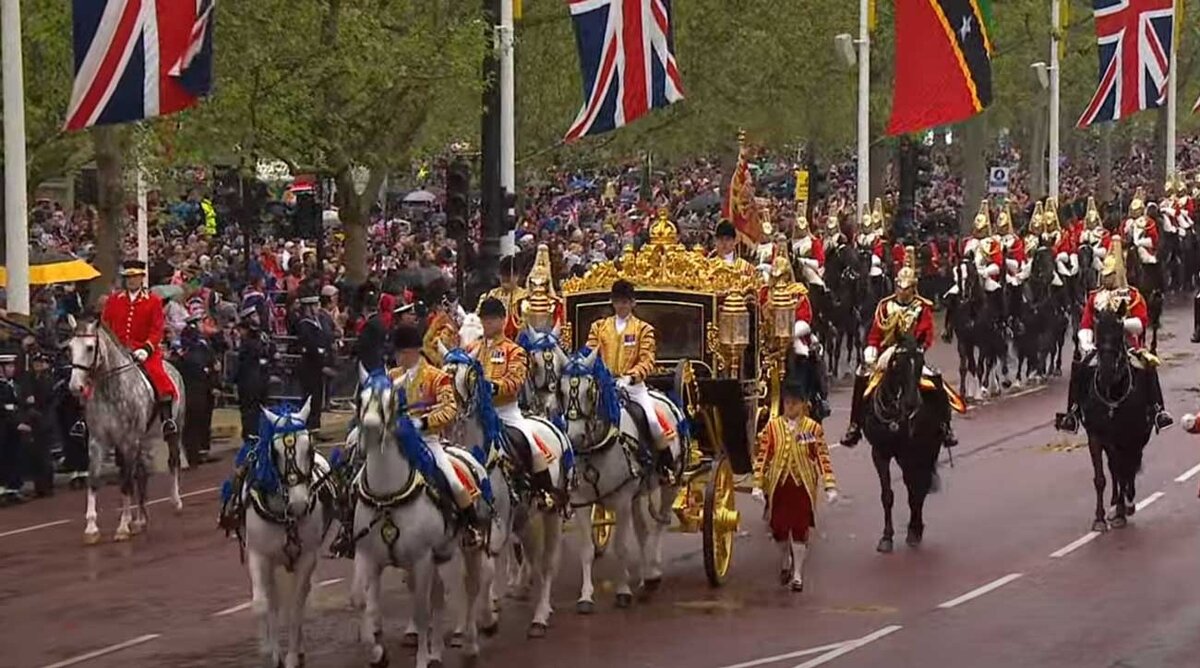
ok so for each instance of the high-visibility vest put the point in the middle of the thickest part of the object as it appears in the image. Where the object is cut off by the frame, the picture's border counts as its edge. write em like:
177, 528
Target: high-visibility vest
210, 218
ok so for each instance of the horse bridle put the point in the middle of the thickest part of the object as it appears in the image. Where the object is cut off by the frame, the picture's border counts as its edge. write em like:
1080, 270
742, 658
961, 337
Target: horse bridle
90, 369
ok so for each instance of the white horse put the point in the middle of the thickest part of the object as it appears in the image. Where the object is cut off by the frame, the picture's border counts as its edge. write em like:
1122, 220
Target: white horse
610, 470
540, 544
121, 409
545, 369
285, 525
397, 523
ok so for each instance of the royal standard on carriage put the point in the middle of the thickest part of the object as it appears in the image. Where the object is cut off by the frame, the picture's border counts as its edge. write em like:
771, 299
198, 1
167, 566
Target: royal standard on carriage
722, 340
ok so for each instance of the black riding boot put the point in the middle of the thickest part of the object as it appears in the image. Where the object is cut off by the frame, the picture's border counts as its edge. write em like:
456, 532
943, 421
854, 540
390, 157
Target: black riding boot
1162, 419
854, 429
1069, 421
943, 403
552, 497
1196, 319
666, 466
167, 414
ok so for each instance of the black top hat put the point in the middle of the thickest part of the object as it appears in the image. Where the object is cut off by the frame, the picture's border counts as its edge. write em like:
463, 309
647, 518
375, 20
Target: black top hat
492, 308
725, 230
407, 337
508, 265
622, 289
133, 268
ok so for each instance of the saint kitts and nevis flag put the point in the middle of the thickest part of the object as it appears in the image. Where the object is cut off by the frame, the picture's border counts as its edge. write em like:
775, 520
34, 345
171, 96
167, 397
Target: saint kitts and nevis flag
137, 59
943, 63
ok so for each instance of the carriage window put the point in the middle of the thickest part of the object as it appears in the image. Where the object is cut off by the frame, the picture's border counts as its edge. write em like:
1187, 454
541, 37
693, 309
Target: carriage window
678, 327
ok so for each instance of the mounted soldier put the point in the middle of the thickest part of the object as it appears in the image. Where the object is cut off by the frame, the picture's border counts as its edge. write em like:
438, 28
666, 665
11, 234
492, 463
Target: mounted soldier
1095, 236
1060, 243
550, 312
442, 328
510, 295
1114, 296
727, 247
832, 237
809, 252
869, 241
983, 250
913, 314
1016, 263
135, 316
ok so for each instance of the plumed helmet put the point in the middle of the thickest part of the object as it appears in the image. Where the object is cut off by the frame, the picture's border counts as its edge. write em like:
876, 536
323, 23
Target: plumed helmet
1050, 217
1092, 218
906, 278
983, 222
1036, 220
1137, 205
802, 229
1004, 221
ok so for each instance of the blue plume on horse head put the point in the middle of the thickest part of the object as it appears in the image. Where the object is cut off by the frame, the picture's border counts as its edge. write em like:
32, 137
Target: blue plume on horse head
539, 342
482, 405
377, 380
609, 405
265, 474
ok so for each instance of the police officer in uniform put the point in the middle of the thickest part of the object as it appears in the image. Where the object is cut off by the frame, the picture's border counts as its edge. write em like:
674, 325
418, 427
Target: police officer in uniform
35, 389
12, 428
315, 347
372, 341
198, 364
253, 371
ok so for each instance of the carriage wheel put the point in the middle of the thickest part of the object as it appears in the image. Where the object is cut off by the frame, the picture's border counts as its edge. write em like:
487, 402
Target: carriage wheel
720, 522
603, 521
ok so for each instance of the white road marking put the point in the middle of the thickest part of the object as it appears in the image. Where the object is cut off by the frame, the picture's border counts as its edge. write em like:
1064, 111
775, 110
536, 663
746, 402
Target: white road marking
206, 490
35, 527
240, 607
783, 657
848, 647
1141, 505
103, 651
1189, 474
976, 593
1084, 540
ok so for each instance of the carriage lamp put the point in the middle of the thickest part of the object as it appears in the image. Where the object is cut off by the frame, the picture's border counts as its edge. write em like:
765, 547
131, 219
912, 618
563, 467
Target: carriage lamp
733, 323
783, 315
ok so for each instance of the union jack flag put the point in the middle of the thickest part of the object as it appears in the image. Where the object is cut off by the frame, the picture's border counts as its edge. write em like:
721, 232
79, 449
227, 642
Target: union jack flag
1135, 57
627, 54
138, 59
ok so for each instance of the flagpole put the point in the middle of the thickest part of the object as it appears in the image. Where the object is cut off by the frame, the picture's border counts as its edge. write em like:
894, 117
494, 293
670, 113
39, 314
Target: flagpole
1172, 95
864, 105
1056, 23
16, 208
508, 148
143, 233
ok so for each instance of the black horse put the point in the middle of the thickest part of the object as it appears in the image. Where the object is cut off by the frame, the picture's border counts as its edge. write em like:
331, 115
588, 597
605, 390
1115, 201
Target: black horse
874, 289
903, 423
973, 317
840, 313
1042, 329
1116, 417
1148, 279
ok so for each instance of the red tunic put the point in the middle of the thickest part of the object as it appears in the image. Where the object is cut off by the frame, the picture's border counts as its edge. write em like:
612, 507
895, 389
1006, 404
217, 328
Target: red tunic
1137, 309
922, 329
136, 319
899, 255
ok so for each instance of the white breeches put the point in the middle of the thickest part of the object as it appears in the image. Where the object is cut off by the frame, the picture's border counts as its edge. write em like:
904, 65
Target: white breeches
885, 358
464, 492
812, 275
511, 416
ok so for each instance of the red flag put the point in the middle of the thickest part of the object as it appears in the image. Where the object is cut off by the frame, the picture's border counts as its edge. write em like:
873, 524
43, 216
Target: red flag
740, 207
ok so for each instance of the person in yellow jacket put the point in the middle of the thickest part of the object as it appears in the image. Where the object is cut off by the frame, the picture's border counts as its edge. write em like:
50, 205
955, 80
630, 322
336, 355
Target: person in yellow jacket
627, 347
432, 406
510, 295
442, 328
791, 465
506, 365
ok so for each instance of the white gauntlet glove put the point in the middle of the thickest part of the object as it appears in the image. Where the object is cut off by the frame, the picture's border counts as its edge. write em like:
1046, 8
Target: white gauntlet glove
141, 355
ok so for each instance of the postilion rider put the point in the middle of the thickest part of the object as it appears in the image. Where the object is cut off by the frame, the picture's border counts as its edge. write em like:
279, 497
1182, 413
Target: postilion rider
135, 316
432, 406
627, 347
1113, 295
792, 463
903, 306
505, 365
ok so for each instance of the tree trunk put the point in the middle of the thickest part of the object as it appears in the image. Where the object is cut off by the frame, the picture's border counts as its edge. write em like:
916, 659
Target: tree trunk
110, 143
974, 168
1106, 163
354, 211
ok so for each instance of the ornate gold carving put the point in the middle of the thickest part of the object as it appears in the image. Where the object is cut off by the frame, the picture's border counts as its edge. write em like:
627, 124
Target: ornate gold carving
665, 263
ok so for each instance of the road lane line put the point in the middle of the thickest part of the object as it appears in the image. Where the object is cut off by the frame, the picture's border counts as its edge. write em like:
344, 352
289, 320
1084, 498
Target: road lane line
240, 607
35, 527
1189, 474
104, 651
1084, 540
976, 593
848, 647
1141, 505
784, 657
206, 490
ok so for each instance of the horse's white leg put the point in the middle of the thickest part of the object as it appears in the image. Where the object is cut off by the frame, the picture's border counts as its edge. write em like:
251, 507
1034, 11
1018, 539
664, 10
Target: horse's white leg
367, 575
631, 566
303, 584
176, 497
473, 591
587, 556
91, 533
652, 550
410, 626
262, 603
422, 574
641, 527
437, 611
123, 531
548, 567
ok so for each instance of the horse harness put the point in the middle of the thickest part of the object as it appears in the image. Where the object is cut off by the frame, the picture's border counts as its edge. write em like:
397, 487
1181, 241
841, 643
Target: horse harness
592, 425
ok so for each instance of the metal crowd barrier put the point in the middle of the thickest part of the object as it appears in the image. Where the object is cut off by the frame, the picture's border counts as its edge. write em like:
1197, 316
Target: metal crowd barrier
339, 390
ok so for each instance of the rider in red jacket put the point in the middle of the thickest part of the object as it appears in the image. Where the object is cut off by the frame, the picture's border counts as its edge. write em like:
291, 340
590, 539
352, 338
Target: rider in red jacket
135, 317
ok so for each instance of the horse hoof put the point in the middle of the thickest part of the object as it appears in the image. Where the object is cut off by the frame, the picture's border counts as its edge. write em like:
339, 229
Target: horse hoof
651, 585
435, 663
885, 546
914, 538
624, 600
1130, 510
409, 640
585, 607
797, 586
137, 528
1119, 522
1099, 526
92, 538
121, 535
456, 640
382, 661
536, 630
490, 629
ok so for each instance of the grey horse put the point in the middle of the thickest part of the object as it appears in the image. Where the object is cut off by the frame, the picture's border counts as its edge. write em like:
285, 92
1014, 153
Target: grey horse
120, 406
